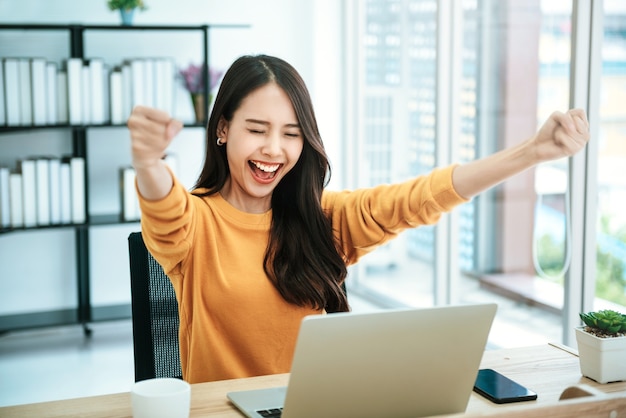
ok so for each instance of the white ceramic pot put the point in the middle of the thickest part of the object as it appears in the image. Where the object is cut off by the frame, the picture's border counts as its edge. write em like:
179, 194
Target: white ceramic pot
601, 359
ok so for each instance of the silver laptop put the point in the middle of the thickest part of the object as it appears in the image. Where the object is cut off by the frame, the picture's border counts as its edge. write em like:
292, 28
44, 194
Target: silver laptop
390, 363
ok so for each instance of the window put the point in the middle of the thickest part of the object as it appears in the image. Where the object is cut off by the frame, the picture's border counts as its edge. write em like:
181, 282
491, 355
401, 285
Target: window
439, 82
610, 287
396, 88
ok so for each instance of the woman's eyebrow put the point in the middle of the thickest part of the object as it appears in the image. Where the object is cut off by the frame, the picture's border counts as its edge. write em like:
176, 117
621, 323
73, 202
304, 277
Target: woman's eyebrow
263, 122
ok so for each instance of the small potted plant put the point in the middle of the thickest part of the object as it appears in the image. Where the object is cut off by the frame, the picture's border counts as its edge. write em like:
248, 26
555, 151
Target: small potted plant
126, 8
602, 345
192, 78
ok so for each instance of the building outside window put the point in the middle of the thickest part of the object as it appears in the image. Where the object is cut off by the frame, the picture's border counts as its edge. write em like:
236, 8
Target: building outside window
441, 82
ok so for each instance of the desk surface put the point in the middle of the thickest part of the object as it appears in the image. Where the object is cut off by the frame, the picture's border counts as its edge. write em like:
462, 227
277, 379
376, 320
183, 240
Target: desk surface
546, 369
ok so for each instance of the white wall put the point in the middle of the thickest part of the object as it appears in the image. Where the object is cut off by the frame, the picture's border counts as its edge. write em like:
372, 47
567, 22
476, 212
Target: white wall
284, 28
305, 32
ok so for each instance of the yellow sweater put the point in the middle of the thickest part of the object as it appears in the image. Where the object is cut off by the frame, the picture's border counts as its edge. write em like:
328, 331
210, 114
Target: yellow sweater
233, 322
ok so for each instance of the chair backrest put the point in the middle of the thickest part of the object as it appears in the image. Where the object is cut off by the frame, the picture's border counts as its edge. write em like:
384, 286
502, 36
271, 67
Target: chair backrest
155, 315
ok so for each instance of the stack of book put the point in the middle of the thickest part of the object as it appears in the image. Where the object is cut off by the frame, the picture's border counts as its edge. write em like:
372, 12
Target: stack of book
43, 191
36, 92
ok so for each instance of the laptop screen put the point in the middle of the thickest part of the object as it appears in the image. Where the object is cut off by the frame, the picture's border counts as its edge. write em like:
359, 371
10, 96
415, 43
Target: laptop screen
405, 362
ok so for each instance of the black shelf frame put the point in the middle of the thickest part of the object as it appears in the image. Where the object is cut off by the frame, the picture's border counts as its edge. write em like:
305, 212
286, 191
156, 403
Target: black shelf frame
22, 128
85, 313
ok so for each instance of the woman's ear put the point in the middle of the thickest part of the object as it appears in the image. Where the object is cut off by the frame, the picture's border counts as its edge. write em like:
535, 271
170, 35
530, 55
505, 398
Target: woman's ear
222, 128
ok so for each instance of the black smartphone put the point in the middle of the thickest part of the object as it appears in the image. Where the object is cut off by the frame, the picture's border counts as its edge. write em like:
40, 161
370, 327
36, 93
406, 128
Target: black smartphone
500, 389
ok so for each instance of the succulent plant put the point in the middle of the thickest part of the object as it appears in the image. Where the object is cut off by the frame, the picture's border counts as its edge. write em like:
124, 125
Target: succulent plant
605, 321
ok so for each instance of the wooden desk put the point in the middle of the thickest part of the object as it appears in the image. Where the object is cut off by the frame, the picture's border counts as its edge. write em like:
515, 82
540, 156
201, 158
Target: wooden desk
546, 369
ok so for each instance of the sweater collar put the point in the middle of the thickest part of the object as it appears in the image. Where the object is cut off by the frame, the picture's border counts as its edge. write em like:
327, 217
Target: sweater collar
229, 211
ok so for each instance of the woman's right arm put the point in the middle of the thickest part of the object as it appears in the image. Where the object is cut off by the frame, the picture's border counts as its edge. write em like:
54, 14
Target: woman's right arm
151, 132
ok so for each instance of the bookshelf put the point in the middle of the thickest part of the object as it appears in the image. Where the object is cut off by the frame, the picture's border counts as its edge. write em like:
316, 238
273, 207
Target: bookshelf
78, 133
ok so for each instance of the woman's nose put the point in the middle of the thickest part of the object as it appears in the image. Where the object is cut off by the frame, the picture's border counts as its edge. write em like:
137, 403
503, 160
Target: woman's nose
271, 146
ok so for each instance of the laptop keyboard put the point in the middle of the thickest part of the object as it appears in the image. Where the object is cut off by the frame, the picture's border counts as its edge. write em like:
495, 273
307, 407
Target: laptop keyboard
270, 413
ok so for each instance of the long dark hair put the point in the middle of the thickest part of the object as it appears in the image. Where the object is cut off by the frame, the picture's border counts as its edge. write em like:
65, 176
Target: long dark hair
302, 258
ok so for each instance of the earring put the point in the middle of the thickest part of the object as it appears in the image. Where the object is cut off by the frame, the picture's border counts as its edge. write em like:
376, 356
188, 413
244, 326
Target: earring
219, 142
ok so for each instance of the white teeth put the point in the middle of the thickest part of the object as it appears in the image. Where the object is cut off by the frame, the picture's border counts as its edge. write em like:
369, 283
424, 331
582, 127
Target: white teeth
268, 168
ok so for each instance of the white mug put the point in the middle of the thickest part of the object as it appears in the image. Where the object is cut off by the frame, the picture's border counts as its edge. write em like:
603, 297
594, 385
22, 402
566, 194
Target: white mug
161, 398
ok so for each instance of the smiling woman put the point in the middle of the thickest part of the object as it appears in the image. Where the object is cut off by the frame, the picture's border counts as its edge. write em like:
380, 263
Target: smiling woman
258, 194
265, 144
259, 243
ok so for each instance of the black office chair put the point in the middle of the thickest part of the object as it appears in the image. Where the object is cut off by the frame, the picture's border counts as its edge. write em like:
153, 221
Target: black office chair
155, 315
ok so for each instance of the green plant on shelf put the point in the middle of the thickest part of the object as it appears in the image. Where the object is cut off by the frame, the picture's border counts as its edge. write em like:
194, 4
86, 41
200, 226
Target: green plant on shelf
126, 4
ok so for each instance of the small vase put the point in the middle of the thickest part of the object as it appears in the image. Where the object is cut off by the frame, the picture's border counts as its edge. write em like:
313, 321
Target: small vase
601, 359
198, 106
127, 16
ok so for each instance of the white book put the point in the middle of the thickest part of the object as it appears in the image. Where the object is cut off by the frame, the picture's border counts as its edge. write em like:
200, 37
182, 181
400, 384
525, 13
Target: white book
29, 191
51, 93
16, 199
148, 82
12, 91
116, 97
74, 90
62, 99
159, 91
42, 187
106, 106
127, 90
96, 90
137, 83
3, 118
26, 105
86, 95
77, 185
39, 89
165, 85
54, 165
65, 192
128, 195
5, 198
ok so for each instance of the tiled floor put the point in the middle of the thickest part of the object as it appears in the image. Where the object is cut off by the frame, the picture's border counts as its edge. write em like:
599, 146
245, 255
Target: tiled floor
61, 363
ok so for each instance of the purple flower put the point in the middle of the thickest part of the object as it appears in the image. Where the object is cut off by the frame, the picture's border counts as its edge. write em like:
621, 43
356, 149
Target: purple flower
193, 80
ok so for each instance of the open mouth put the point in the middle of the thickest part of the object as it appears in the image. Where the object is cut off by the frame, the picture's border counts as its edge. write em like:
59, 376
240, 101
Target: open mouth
264, 171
